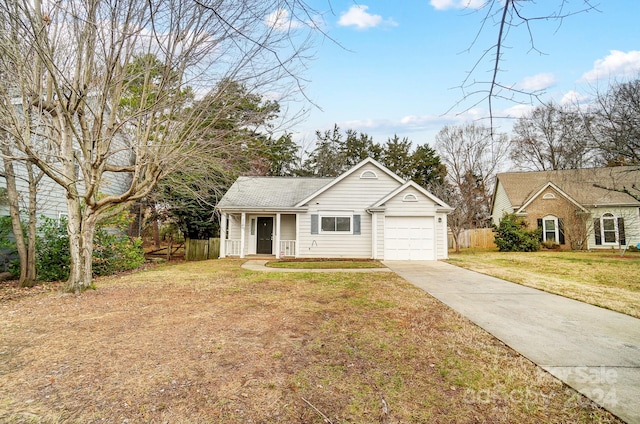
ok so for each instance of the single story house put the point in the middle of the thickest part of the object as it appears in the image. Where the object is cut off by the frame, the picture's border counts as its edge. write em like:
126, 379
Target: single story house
575, 208
367, 212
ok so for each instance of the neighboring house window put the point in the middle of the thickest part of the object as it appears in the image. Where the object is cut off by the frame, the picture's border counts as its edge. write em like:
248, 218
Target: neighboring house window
410, 198
368, 174
609, 230
549, 196
552, 229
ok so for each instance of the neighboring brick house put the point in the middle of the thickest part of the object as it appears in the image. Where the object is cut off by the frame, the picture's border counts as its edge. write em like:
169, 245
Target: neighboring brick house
575, 208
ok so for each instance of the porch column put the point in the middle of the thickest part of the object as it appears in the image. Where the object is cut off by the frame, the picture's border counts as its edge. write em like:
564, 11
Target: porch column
277, 234
243, 223
223, 235
297, 251
374, 235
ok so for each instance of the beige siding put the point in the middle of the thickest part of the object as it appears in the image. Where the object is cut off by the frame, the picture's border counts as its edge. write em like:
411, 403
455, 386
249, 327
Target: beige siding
501, 204
353, 195
288, 227
399, 207
234, 227
50, 197
631, 217
380, 238
441, 236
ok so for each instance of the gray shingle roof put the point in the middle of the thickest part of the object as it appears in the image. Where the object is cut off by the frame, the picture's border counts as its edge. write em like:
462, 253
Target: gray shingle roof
585, 186
270, 192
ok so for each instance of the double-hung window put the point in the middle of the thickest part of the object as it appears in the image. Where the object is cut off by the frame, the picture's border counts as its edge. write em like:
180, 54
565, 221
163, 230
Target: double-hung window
609, 231
335, 224
550, 229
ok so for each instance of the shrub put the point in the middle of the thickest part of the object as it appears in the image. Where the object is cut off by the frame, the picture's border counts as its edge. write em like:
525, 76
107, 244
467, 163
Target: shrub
52, 250
8, 251
550, 245
113, 251
512, 235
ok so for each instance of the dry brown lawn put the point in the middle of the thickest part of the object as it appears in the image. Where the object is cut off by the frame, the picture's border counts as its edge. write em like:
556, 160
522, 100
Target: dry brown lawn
209, 342
603, 279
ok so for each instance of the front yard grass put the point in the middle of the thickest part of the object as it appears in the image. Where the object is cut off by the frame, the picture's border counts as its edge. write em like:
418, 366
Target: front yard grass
601, 278
209, 342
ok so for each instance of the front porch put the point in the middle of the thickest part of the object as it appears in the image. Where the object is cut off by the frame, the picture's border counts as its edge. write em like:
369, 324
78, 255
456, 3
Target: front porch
243, 234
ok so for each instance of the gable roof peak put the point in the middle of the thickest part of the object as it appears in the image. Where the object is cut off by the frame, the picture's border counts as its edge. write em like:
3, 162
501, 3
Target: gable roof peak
351, 171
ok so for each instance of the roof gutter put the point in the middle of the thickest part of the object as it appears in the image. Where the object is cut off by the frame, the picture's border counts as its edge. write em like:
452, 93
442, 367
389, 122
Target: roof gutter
259, 209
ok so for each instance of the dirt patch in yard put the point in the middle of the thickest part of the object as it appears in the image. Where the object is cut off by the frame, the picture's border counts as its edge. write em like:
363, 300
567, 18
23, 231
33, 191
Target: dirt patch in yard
208, 342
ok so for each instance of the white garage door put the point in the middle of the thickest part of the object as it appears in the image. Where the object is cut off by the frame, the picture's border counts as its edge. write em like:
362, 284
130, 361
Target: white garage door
409, 238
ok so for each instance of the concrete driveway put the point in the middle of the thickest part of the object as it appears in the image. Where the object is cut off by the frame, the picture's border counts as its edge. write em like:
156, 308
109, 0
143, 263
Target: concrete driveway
594, 350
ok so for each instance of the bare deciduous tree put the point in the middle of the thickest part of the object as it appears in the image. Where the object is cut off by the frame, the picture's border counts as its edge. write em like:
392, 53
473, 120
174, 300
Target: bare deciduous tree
65, 68
473, 156
550, 137
615, 131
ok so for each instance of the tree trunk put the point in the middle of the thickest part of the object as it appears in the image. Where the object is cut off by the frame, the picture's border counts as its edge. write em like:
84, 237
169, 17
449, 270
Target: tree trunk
81, 228
32, 229
456, 237
14, 211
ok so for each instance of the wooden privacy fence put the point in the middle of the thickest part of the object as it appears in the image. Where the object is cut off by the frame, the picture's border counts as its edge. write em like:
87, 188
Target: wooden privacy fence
199, 250
479, 237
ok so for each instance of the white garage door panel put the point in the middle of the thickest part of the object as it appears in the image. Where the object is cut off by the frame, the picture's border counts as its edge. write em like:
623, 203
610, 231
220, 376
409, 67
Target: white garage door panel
409, 238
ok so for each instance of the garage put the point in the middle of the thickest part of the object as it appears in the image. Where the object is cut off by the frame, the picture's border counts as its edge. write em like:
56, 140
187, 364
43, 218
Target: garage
409, 238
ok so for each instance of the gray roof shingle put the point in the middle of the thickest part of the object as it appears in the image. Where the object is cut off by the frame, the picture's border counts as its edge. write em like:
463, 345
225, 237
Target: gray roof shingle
585, 186
270, 192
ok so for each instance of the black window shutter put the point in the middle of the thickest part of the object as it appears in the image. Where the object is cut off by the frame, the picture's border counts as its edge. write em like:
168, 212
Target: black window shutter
541, 229
596, 231
356, 224
561, 231
621, 235
314, 224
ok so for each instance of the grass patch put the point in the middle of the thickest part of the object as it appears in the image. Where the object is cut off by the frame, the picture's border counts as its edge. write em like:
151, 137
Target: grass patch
210, 342
602, 278
325, 264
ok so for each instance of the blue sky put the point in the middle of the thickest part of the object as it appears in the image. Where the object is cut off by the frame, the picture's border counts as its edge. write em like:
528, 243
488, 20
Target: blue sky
400, 63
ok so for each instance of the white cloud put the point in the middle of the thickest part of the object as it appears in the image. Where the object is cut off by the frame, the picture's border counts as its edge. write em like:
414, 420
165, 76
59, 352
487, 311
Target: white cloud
537, 82
616, 64
280, 20
458, 4
517, 111
574, 98
358, 17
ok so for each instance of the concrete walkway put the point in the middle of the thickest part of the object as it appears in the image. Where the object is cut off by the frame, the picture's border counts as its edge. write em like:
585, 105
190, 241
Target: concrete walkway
594, 350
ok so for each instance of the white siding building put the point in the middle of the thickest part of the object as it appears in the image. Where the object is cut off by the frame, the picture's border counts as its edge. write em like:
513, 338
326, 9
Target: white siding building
367, 212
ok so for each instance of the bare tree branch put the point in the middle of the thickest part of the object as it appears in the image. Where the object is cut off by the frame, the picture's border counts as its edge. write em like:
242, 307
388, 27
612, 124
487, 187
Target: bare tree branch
508, 15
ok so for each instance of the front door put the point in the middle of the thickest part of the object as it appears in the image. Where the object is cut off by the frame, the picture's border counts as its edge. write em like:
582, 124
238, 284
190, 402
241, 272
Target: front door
265, 234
